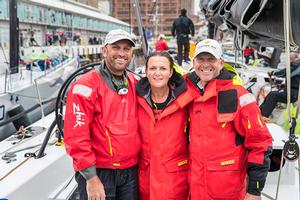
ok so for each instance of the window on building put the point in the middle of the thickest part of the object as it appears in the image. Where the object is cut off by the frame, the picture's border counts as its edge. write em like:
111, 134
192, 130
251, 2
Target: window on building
28, 13
4, 9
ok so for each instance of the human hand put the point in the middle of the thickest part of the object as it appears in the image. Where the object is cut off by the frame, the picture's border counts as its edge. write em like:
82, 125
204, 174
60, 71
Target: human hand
95, 189
252, 197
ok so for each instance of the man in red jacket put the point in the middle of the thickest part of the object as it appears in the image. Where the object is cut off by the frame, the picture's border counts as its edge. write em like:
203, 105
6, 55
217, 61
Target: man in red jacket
101, 127
228, 137
249, 53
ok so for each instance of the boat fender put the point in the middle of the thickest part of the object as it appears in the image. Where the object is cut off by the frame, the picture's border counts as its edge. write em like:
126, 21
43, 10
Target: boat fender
22, 121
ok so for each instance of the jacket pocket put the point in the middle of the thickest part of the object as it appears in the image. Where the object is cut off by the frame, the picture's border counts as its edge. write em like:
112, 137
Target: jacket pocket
125, 140
225, 178
124, 127
177, 186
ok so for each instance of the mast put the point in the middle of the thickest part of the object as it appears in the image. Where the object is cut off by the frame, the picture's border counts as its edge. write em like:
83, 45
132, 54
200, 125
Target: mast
13, 37
136, 5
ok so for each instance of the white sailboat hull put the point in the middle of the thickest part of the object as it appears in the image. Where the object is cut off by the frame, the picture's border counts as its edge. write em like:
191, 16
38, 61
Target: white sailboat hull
24, 92
289, 179
35, 179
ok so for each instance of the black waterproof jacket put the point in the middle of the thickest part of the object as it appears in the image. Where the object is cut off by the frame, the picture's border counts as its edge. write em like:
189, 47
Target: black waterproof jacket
183, 26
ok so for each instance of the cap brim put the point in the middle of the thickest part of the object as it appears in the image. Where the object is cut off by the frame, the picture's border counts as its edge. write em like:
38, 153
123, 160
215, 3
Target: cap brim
118, 39
207, 51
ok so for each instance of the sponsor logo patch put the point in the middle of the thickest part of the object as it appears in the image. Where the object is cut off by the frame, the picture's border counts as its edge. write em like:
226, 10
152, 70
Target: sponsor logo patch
227, 162
78, 114
82, 90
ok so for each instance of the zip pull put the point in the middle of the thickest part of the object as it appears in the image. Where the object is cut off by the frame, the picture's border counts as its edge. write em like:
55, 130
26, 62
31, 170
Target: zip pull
249, 124
224, 124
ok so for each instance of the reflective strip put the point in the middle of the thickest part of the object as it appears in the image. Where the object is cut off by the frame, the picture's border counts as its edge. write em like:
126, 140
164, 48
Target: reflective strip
109, 142
260, 123
82, 90
116, 164
247, 99
184, 162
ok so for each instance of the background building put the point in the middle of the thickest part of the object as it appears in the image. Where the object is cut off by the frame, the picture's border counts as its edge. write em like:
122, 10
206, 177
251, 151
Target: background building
105, 6
57, 21
157, 15
92, 3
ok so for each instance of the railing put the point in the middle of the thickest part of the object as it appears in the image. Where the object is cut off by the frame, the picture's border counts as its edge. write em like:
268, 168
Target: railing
72, 51
12, 81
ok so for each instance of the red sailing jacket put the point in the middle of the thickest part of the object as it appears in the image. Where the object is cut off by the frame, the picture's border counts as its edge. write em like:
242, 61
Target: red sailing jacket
101, 126
227, 135
161, 45
164, 161
246, 51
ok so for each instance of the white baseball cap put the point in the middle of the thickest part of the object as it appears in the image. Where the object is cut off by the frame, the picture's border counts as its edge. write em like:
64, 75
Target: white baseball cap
210, 46
117, 35
162, 36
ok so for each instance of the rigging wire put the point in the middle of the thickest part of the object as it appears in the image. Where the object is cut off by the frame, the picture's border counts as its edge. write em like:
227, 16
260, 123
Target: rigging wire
286, 18
290, 149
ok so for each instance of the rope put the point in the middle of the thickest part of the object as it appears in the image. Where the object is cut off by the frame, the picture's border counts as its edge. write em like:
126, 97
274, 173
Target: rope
26, 159
16, 167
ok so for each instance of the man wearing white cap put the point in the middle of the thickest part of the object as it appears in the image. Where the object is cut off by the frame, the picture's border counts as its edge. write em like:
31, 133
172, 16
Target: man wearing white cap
228, 137
101, 125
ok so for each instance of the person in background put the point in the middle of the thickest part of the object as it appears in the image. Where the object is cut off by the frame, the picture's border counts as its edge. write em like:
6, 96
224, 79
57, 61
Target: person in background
32, 41
229, 141
163, 118
249, 54
21, 38
101, 127
182, 27
280, 95
161, 44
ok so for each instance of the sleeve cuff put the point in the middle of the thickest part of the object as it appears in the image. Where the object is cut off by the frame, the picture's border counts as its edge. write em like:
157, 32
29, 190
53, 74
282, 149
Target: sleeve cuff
255, 188
89, 172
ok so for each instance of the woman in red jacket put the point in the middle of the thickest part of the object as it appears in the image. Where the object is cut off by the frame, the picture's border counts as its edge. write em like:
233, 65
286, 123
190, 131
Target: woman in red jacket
162, 99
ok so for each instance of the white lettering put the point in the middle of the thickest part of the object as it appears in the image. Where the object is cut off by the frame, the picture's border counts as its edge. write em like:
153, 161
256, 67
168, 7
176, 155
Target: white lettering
78, 114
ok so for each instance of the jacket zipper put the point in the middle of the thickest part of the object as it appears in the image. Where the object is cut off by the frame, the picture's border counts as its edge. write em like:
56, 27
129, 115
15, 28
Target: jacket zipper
109, 143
